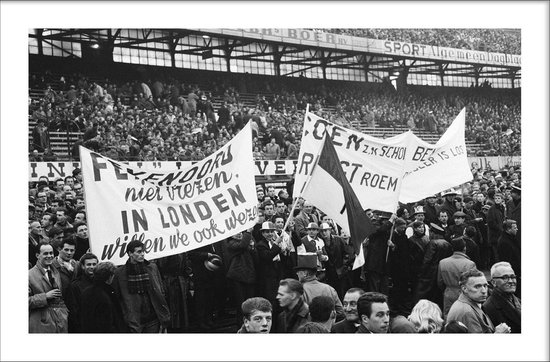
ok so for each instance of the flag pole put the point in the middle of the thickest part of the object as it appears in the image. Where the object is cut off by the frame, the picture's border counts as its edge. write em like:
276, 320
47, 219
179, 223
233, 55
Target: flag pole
391, 234
303, 188
304, 185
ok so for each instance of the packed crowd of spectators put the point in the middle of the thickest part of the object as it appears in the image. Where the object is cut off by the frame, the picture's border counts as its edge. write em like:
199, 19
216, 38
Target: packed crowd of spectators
489, 40
167, 119
425, 263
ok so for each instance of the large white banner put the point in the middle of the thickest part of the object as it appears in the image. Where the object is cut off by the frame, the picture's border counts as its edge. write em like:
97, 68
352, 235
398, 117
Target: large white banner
383, 171
374, 167
435, 168
170, 212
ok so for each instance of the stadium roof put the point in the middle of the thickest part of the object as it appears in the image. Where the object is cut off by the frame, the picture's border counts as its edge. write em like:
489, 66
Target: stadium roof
228, 44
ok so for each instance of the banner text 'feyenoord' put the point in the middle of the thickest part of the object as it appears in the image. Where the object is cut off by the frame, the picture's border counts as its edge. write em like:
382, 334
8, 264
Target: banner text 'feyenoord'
169, 211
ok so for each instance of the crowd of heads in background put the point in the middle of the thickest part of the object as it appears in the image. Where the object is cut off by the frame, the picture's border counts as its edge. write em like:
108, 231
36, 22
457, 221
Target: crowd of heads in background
167, 119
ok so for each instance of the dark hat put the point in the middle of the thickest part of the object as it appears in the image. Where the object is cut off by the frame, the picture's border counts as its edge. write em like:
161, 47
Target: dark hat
312, 225
468, 199
516, 189
213, 263
459, 214
76, 171
267, 225
306, 261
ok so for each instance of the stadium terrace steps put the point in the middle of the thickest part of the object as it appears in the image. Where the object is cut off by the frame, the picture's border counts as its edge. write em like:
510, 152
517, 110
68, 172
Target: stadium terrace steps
58, 140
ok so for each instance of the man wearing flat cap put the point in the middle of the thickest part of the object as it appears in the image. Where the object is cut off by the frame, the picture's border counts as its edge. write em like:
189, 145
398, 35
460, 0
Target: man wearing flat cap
459, 224
314, 244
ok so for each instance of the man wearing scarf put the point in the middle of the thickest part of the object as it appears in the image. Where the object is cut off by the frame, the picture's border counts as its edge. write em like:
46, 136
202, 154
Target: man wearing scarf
138, 286
295, 312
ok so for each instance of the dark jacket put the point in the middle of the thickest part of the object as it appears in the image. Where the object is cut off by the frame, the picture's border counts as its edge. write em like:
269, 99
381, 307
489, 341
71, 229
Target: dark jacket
270, 272
337, 265
202, 277
344, 326
509, 250
241, 260
430, 214
312, 327
377, 247
436, 250
502, 310
301, 317
100, 310
74, 299
130, 303
495, 218
401, 257
513, 212
472, 250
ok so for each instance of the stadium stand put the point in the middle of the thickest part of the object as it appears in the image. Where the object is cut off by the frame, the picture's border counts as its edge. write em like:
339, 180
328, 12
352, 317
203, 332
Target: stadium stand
178, 122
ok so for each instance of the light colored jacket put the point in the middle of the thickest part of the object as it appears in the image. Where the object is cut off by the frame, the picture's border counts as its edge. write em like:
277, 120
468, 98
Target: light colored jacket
45, 316
448, 275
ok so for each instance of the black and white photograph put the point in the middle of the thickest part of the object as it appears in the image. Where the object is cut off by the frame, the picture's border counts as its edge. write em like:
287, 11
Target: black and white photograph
203, 178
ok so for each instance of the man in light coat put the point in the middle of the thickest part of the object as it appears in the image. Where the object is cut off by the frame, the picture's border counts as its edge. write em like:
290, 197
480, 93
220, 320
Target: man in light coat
467, 308
47, 311
449, 271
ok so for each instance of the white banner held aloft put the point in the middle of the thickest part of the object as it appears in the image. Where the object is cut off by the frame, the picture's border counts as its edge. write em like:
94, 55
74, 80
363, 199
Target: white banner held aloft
169, 211
435, 168
374, 167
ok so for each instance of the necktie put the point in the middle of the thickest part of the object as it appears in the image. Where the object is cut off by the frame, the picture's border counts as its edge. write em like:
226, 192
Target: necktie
52, 280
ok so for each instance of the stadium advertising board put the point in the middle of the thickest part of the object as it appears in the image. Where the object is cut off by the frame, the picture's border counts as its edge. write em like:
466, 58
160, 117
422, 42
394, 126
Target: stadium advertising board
374, 46
56, 169
170, 212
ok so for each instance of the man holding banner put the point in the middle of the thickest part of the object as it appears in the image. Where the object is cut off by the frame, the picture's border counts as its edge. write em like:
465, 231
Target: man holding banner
138, 286
170, 212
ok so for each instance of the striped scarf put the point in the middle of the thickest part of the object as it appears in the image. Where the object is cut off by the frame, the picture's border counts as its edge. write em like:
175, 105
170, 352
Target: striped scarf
138, 278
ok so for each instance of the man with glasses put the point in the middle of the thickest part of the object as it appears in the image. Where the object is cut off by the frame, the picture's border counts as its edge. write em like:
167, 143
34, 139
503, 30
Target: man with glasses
467, 308
509, 249
503, 306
